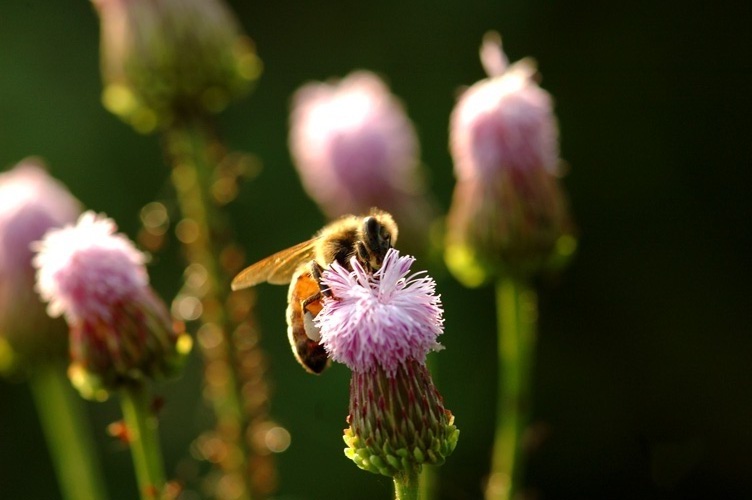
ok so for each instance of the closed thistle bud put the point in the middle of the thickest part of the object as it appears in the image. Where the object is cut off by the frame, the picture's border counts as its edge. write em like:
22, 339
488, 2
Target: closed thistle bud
167, 60
509, 213
382, 326
120, 331
31, 202
398, 421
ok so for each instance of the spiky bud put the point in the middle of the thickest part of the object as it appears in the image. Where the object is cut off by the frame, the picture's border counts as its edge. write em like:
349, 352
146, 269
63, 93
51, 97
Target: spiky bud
398, 421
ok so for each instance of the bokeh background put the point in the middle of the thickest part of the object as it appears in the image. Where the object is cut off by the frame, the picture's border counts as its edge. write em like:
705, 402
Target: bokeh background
643, 383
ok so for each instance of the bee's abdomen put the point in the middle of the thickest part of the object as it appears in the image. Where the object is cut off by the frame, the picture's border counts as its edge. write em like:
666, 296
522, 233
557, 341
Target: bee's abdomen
309, 353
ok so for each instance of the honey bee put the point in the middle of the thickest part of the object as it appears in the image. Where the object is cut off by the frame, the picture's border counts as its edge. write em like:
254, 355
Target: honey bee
366, 238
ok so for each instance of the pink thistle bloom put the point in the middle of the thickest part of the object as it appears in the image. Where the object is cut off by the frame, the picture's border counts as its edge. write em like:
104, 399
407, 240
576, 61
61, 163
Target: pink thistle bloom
31, 202
508, 213
503, 122
382, 326
85, 269
120, 331
354, 145
380, 319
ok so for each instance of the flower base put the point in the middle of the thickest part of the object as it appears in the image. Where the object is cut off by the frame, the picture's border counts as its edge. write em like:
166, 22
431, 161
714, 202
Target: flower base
398, 422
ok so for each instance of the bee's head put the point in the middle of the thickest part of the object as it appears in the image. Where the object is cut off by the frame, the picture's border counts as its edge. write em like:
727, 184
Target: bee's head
379, 233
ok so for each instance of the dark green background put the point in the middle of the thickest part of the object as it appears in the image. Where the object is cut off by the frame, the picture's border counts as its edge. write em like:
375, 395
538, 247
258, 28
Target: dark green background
644, 370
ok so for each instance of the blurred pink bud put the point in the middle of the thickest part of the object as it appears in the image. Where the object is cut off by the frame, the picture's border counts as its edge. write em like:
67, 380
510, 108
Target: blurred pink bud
31, 202
120, 331
504, 122
354, 147
508, 213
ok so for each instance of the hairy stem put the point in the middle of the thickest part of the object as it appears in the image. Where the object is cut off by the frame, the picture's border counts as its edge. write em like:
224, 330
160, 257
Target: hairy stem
406, 485
141, 425
194, 153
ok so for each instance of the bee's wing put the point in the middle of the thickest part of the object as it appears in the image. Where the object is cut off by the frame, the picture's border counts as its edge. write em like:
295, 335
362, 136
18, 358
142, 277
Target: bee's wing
276, 269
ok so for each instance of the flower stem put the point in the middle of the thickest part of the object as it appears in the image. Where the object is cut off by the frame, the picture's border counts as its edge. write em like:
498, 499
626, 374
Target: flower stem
428, 482
193, 152
517, 316
141, 427
61, 413
406, 485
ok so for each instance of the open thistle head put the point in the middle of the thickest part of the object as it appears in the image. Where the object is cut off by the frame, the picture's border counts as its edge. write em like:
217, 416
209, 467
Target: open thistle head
382, 325
120, 331
380, 319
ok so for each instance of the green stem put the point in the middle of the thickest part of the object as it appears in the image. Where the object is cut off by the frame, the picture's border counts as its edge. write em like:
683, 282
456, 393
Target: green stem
192, 152
141, 425
71, 445
428, 482
517, 316
406, 485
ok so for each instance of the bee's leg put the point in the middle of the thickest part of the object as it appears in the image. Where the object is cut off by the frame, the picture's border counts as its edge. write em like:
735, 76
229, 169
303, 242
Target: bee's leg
316, 272
314, 301
363, 255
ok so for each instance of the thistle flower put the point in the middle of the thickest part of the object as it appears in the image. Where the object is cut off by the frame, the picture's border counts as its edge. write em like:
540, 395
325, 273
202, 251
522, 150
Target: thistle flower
120, 331
164, 60
31, 202
508, 213
382, 326
355, 148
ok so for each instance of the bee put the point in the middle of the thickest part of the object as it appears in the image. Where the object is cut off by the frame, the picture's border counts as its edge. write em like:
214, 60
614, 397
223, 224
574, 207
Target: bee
367, 238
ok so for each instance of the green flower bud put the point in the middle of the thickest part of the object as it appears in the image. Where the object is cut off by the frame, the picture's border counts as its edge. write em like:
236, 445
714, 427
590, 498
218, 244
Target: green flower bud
168, 60
398, 421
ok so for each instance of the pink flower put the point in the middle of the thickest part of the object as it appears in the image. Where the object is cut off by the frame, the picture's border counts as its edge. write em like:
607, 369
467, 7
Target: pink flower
120, 331
504, 122
508, 213
353, 145
382, 326
31, 202
85, 269
380, 319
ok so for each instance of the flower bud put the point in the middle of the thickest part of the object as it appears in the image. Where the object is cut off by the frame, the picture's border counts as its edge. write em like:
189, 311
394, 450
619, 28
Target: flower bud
120, 331
168, 60
355, 148
31, 202
398, 421
508, 213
